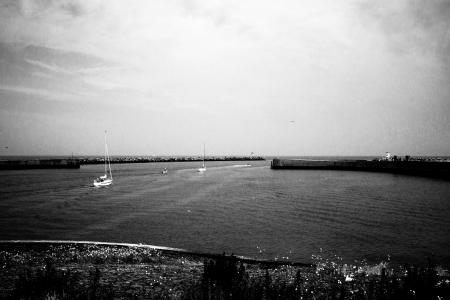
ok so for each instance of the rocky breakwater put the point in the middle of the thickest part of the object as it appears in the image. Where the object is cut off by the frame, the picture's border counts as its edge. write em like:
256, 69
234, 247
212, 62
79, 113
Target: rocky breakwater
151, 159
440, 169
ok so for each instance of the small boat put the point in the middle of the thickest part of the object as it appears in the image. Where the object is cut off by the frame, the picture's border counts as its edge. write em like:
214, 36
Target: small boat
165, 171
104, 180
203, 168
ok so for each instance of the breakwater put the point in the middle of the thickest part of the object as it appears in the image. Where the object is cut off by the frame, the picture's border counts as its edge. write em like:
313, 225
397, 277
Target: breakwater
75, 163
152, 159
420, 168
20, 164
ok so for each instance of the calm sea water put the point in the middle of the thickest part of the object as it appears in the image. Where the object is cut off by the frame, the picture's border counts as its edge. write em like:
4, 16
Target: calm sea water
252, 211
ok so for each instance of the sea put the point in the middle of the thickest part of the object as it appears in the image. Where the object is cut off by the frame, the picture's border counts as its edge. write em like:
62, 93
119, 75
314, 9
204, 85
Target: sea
241, 208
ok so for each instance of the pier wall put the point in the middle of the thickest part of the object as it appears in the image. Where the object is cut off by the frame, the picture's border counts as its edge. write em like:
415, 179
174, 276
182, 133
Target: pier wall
421, 168
152, 159
39, 164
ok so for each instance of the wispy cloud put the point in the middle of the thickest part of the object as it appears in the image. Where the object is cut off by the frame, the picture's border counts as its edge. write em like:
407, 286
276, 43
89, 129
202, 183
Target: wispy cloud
60, 96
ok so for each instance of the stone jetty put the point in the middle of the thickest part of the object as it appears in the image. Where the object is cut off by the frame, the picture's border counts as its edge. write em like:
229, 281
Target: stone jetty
151, 159
19, 164
439, 169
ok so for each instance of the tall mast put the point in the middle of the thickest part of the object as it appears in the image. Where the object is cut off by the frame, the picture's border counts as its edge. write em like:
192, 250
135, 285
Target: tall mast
203, 154
106, 150
109, 161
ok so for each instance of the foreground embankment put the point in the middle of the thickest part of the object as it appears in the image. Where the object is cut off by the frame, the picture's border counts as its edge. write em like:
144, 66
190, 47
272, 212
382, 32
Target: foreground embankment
66, 270
420, 168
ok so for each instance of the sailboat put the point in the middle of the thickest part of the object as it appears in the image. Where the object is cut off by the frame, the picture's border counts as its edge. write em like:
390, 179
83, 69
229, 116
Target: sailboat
203, 168
105, 180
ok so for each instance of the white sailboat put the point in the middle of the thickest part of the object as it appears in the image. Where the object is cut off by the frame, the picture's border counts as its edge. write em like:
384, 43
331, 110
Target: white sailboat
105, 180
203, 168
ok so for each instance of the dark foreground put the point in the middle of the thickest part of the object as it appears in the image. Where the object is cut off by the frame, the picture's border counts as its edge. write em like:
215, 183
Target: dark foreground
84, 271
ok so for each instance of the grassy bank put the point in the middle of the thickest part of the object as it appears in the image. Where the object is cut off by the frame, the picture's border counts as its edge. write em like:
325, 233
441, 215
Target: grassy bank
70, 271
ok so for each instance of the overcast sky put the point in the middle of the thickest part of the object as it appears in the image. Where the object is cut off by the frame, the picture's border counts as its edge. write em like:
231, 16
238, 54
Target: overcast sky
269, 77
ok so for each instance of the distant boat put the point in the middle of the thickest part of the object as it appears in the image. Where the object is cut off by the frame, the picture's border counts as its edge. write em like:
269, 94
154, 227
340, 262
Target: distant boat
165, 171
203, 168
105, 180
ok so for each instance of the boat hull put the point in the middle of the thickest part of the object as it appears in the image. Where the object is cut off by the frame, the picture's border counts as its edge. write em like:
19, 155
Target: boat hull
105, 182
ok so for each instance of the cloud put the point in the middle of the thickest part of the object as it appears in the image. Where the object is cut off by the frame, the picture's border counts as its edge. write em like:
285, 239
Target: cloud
46, 71
37, 8
73, 8
62, 59
36, 92
217, 67
412, 25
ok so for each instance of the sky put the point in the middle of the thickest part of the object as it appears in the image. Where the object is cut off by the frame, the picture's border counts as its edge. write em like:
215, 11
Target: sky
290, 77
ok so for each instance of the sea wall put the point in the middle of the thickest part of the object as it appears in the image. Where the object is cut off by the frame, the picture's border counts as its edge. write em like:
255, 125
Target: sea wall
152, 159
39, 164
421, 168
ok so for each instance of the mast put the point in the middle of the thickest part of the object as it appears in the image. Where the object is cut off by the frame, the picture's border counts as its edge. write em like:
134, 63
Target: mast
109, 161
106, 150
203, 155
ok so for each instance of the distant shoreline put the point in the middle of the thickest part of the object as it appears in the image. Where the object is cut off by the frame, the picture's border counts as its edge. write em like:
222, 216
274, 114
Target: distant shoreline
75, 163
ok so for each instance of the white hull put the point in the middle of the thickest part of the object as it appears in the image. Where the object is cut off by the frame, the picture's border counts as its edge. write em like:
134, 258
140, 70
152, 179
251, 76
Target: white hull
103, 183
104, 180
203, 168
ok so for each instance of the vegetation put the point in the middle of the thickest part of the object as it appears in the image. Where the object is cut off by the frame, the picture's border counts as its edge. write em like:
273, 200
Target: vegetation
106, 272
228, 279
50, 283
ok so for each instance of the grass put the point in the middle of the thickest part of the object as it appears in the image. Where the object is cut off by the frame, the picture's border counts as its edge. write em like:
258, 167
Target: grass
109, 272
